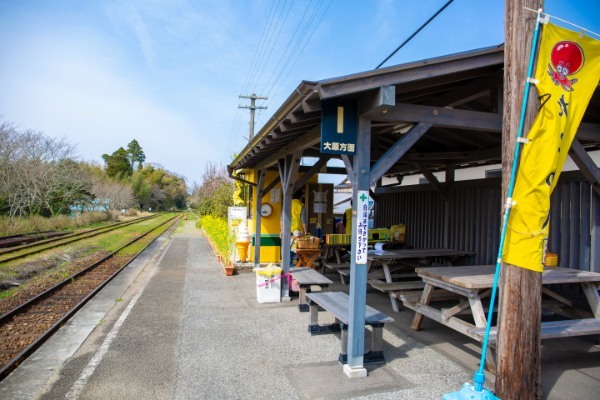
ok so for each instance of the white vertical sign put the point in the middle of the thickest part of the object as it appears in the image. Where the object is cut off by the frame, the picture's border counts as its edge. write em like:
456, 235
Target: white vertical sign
361, 228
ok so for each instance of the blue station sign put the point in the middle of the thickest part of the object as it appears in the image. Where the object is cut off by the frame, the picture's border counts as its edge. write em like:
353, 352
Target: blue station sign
339, 126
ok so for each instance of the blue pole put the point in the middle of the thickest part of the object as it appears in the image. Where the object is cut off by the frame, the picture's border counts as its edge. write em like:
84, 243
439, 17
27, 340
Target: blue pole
479, 377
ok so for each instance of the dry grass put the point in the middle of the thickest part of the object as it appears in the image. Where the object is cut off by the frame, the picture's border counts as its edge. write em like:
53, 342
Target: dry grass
40, 224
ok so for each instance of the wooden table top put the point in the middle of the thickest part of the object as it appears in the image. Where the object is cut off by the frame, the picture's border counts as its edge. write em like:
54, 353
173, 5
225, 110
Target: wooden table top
414, 253
309, 275
482, 276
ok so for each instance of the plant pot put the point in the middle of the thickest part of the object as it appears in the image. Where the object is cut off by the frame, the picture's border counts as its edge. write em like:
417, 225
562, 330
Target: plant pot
228, 270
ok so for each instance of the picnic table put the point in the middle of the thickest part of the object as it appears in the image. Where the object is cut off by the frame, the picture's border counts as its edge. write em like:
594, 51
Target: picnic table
396, 260
473, 283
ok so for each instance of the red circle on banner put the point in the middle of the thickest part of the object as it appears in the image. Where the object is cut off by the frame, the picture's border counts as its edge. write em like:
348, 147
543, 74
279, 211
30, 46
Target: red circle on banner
567, 55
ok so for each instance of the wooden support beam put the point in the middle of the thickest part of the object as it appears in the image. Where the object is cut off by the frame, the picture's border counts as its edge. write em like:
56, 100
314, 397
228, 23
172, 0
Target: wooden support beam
586, 165
298, 117
313, 170
466, 93
348, 164
377, 100
459, 156
440, 116
311, 104
271, 185
589, 132
395, 152
305, 141
288, 126
257, 215
434, 181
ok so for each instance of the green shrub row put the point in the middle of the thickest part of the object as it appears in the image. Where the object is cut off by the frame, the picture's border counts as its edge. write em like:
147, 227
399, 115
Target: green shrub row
217, 232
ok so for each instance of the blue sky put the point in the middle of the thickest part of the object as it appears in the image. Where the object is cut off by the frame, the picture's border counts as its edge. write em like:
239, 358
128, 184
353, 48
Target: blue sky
169, 72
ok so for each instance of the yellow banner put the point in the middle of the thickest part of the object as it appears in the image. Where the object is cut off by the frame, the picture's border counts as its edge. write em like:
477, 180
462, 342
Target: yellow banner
568, 69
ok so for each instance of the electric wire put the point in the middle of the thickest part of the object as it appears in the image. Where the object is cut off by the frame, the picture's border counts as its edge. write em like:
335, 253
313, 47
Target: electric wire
415, 33
290, 46
276, 36
261, 43
290, 68
234, 134
278, 16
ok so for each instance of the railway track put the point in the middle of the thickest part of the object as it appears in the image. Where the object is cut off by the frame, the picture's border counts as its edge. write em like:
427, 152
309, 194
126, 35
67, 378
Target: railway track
25, 250
26, 238
26, 327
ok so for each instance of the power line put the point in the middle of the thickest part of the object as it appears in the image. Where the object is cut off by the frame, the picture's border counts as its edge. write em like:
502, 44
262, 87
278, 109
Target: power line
289, 46
277, 36
415, 33
293, 62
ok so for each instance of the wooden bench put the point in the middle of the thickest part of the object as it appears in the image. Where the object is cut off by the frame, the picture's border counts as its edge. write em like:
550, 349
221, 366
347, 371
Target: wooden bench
551, 330
396, 286
305, 278
412, 297
379, 274
344, 273
392, 287
334, 266
337, 303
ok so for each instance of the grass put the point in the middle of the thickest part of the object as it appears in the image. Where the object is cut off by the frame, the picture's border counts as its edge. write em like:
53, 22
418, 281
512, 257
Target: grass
35, 223
79, 250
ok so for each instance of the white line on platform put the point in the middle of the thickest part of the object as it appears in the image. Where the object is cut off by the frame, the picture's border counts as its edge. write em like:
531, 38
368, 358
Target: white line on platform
78, 386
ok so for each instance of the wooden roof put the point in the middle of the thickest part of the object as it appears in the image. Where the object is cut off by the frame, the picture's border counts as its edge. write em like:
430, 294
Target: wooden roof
457, 98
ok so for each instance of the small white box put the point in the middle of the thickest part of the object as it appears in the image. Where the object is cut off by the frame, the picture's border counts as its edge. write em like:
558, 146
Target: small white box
268, 284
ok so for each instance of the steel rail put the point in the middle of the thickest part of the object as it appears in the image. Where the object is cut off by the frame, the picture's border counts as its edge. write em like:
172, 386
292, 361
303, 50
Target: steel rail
15, 362
66, 240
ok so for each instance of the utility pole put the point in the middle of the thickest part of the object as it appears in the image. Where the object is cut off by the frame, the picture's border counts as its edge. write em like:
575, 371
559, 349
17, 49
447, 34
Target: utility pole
518, 375
253, 97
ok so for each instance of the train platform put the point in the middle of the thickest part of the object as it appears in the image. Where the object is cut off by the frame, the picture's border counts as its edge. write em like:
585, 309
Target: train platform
173, 326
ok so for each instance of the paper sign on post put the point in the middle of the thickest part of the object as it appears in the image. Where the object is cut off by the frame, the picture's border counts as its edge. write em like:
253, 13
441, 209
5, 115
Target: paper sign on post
361, 228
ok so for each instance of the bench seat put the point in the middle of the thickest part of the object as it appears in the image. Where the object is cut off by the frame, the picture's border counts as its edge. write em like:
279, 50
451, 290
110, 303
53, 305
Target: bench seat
334, 266
552, 329
396, 286
305, 278
415, 296
337, 303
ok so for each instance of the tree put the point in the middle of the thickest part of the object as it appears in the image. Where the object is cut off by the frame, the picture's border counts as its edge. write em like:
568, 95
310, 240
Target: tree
215, 194
38, 174
136, 154
112, 194
117, 164
155, 187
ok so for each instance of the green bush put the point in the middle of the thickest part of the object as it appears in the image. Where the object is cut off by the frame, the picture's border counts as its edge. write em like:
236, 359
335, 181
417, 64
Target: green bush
217, 232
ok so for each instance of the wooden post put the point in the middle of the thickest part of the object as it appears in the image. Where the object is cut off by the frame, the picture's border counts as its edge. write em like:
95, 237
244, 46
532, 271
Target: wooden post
519, 346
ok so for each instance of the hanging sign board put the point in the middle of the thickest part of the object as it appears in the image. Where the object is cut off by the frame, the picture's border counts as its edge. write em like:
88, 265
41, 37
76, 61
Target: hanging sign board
235, 216
362, 227
339, 126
